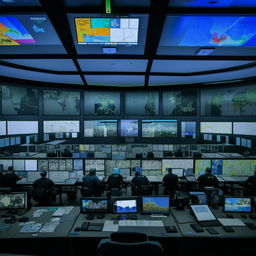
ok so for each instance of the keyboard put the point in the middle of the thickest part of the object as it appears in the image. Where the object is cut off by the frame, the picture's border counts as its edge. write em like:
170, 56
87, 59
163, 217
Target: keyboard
210, 223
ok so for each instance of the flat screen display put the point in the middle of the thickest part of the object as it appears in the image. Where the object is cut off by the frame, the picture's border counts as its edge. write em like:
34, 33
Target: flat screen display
107, 30
102, 128
244, 128
159, 128
22, 127
15, 200
177, 164
216, 127
202, 212
211, 31
155, 204
2, 128
188, 130
178, 172
94, 205
61, 126
129, 128
122, 206
198, 197
237, 204
201, 165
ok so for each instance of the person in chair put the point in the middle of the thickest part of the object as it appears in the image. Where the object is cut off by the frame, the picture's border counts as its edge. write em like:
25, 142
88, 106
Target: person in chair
9, 179
170, 181
138, 180
250, 185
208, 179
43, 190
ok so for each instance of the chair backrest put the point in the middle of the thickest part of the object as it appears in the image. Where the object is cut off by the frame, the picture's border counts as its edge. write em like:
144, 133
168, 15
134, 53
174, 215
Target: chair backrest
129, 243
85, 191
42, 195
114, 181
146, 190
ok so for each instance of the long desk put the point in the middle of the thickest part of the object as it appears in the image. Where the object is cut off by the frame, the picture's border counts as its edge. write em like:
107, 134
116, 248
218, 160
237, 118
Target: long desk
67, 241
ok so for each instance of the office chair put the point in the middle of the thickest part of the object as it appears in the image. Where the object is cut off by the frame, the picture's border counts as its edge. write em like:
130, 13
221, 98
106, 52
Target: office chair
43, 196
86, 192
127, 244
143, 190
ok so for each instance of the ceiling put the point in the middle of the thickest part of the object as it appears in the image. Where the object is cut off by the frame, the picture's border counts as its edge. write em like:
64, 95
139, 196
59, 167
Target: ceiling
164, 42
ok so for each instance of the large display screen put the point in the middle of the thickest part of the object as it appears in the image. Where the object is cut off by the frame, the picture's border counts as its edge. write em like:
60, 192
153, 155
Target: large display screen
107, 30
61, 126
216, 127
18, 30
102, 103
244, 128
22, 127
61, 102
2, 128
201, 165
101, 128
142, 103
129, 128
232, 101
159, 128
19, 101
202, 30
188, 130
179, 103
176, 163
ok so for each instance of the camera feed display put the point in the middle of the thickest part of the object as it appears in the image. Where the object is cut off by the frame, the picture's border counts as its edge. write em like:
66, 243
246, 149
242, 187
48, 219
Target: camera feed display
159, 128
103, 128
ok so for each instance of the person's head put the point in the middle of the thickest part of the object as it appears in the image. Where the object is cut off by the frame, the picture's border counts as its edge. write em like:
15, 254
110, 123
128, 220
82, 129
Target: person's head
43, 174
208, 170
92, 172
10, 169
116, 171
169, 170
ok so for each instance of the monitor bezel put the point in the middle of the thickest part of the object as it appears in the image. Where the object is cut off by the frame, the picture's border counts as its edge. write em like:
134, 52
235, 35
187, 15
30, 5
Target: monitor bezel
249, 197
155, 212
114, 199
94, 210
15, 193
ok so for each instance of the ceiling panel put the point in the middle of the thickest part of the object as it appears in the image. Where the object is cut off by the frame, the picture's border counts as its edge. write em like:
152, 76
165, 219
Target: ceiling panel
188, 66
19, 3
49, 64
29, 34
210, 4
115, 80
39, 76
113, 65
224, 76
123, 30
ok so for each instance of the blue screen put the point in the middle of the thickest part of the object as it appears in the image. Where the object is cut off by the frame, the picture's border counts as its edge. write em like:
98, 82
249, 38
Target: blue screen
217, 166
129, 128
155, 205
238, 204
202, 197
125, 206
209, 31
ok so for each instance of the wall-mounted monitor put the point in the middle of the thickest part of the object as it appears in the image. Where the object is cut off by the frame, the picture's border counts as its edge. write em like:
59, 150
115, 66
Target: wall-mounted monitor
107, 30
57, 102
2, 128
22, 127
238, 167
209, 31
102, 103
142, 103
216, 127
129, 128
159, 128
61, 126
201, 165
100, 128
176, 164
28, 33
188, 130
244, 128
18, 100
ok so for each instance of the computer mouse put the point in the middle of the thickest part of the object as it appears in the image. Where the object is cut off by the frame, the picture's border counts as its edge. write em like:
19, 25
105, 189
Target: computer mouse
77, 229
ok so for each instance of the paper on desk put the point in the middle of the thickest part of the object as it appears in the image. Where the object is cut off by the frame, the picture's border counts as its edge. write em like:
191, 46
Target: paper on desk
231, 222
63, 210
109, 226
49, 227
38, 213
31, 228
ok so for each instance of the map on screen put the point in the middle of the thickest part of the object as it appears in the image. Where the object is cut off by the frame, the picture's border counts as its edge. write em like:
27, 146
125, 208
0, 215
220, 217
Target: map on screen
107, 30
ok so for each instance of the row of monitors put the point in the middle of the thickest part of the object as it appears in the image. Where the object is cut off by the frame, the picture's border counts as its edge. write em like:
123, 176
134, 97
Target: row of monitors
233, 167
95, 30
158, 205
17, 100
128, 128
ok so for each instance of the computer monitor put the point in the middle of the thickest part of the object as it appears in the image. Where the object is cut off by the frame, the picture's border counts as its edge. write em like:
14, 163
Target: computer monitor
198, 197
93, 204
13, 201
178, 171
202, 212
155, 205
237, 204
125, 205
